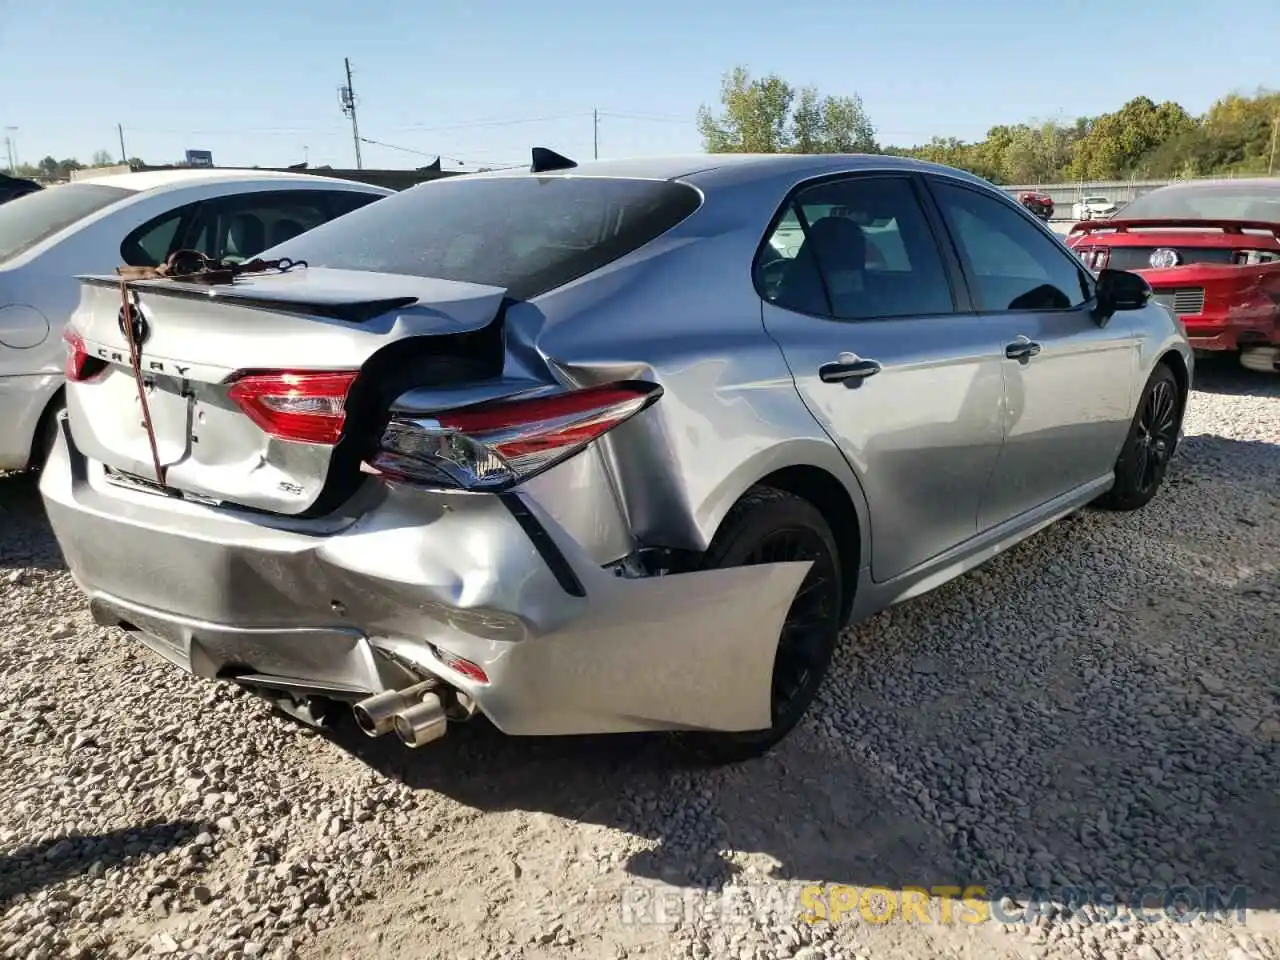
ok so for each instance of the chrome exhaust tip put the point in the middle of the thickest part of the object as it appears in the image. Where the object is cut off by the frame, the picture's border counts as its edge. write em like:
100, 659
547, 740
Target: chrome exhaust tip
376, 715
422, 723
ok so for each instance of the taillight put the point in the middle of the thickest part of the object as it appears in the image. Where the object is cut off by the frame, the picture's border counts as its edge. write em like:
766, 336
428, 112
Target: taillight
472, 671
80, 365
496, 445
1094, 258
1253, 258
303, 406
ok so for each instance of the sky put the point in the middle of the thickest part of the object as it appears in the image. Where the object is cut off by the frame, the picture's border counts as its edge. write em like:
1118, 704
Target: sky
480, 83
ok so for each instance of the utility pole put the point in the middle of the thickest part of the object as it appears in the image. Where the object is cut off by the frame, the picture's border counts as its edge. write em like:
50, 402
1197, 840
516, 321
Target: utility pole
595, 133
347, 95
124, 156
1275, 128
11, 148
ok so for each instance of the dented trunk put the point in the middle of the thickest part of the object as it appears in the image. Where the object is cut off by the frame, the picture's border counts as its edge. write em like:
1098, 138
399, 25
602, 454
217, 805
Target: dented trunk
207, 350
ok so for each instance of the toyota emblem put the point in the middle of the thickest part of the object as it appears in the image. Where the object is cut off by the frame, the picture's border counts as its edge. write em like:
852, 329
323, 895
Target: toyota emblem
1164, 258
137, 332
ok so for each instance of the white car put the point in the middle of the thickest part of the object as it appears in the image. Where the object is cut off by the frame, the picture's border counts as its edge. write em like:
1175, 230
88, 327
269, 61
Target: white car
1092, 208
50, 237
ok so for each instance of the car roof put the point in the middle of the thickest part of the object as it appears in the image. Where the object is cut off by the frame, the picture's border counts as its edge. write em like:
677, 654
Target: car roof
158, 179
745, 165
1221, 185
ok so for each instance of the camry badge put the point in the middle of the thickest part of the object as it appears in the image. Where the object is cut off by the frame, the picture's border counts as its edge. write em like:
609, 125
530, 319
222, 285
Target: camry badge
1164, 258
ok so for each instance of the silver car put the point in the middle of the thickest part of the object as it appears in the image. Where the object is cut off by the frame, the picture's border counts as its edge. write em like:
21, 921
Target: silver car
90, 226
612, 447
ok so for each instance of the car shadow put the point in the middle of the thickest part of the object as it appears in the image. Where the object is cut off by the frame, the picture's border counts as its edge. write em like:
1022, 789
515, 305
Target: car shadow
25, 870
1225, 375
1130, 712
26, 542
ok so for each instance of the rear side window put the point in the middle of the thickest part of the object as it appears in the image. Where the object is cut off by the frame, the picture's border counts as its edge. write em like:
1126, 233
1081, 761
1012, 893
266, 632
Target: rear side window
527, 234
29, 219
151, 243
342, 202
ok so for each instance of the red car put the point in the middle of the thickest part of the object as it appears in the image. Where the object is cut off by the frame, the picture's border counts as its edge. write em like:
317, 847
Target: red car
1041, 204
1211, 252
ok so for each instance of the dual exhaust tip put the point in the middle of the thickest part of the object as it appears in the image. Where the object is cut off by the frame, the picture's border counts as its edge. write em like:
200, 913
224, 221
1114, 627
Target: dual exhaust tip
416, 714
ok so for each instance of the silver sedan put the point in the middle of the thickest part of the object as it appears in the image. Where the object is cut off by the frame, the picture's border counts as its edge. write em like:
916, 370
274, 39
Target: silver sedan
49, 236
619, 446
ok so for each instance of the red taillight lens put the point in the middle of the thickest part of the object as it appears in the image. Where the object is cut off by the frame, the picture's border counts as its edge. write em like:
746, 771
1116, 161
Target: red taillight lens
472, 671
1254, 258
77, 356
80, 365
1094, 258
303, 406
497, 445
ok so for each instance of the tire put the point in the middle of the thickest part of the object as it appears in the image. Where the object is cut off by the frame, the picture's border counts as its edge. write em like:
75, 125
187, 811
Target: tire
46, 435
767, 526
1153, 435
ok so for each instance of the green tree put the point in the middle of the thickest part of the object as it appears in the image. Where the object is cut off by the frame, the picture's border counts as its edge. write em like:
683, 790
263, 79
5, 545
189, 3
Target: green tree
1117, 142
768, 115
754, 117
102, 158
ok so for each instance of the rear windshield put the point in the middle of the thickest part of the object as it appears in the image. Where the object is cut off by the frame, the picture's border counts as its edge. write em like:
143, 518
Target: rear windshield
26, 221
526, 234
1226, 202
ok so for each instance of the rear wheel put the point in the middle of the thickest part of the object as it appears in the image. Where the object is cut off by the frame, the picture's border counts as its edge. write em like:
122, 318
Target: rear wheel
46, 435
773, 526
1152, 437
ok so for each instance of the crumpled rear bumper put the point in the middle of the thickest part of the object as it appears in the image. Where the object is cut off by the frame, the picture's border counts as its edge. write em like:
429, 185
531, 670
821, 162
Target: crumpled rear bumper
354, 605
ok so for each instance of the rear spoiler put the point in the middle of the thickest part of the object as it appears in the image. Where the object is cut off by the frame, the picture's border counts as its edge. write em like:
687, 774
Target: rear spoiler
1226, 226
351, 308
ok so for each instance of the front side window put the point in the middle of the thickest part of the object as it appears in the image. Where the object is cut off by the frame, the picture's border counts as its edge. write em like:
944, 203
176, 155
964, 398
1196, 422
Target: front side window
525, 234
1012, 264
855, 249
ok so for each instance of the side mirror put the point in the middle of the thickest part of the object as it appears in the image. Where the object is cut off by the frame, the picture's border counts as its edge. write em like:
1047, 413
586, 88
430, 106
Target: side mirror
1120, 290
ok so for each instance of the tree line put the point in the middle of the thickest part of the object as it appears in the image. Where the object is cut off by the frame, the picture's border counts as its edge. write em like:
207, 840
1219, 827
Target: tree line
53, 169
1142, 140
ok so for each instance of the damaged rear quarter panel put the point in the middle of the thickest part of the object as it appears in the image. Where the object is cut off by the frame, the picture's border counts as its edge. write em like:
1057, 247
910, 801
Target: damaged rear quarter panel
682, 312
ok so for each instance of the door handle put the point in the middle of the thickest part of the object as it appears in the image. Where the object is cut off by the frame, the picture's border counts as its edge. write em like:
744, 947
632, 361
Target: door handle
850, 370
1022, 349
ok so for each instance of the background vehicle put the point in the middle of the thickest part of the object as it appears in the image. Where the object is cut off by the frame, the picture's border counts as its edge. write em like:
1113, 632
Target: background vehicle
92, 226
13, 187
520, 443
1211, 251
1092, 208
1040, 204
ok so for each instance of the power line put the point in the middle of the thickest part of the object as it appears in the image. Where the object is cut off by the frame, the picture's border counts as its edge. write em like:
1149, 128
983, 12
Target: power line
254, 131
431, 153
650, 117
419, 128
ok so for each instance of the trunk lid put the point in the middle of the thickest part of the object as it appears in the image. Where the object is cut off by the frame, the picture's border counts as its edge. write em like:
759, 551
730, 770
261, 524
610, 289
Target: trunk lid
199, 340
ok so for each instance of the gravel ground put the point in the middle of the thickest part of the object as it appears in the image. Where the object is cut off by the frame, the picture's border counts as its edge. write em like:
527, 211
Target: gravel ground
1099, 706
